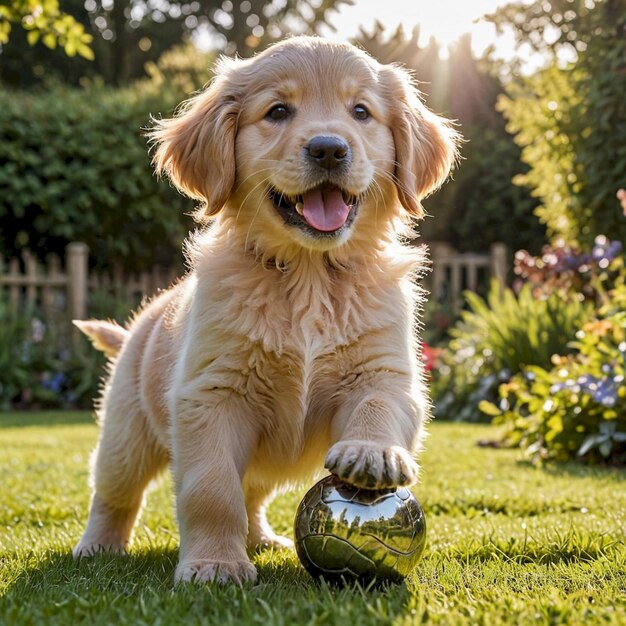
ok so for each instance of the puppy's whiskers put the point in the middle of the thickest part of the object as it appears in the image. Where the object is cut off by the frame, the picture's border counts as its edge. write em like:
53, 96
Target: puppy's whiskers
255, 173
256, 213
391, 177
262, 196
376, 190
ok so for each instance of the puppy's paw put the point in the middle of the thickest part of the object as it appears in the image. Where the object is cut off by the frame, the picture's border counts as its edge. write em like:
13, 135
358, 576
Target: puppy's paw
202, 570
86, 548
370, 465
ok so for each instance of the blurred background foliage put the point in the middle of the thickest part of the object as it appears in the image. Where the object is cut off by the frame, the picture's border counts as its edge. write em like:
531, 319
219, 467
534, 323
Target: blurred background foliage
58, 112
544, 158
550, 145
127, 34
74, 166
570, 118
44, 21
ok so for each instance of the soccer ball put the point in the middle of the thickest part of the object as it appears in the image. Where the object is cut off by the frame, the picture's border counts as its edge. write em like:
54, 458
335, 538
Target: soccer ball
344, 532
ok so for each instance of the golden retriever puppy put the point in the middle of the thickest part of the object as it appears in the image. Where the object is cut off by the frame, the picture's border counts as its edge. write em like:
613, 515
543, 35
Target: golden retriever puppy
290, 343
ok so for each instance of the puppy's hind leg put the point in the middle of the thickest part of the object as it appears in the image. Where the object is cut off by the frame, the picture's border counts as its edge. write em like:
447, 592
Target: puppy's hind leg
125, 461
260, 533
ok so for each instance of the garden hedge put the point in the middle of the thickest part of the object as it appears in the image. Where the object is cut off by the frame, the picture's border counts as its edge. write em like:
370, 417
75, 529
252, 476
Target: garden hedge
74, 166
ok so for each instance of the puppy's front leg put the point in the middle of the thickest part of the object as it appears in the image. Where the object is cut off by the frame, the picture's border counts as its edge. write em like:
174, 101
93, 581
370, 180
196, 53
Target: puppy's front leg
379, 424
212, 445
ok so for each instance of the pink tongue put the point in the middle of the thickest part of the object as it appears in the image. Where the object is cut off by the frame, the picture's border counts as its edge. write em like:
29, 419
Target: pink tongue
324, 209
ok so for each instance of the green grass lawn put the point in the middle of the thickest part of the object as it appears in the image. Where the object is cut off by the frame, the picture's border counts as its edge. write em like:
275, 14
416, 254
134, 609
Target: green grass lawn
507, 544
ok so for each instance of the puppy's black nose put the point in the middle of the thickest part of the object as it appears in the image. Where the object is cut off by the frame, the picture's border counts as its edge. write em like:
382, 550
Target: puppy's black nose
328, 152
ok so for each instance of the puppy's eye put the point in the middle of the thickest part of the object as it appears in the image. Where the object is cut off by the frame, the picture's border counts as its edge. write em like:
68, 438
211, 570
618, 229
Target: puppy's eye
278, 113
360, 112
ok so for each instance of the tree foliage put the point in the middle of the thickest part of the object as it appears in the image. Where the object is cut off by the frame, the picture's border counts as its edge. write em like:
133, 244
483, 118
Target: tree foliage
571, 123
127, 34
74, 166
481, 204
44, 21
243, 27
560, 26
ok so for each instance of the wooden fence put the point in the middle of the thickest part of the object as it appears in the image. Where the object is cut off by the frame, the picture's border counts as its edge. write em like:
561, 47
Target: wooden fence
58, 288
454, 272
64, 289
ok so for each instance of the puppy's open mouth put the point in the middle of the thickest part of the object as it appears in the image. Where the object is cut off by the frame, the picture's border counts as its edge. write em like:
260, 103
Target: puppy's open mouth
324, 210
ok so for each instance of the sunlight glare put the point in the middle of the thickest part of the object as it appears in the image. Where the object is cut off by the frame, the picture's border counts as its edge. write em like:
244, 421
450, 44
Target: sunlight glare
446, 20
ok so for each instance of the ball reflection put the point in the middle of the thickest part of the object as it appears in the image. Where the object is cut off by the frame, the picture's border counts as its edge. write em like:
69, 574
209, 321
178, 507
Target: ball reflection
344, 532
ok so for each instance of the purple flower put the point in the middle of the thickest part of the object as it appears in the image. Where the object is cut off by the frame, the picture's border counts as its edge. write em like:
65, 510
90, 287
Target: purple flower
614, 250
605, 249
602, 390
55, 382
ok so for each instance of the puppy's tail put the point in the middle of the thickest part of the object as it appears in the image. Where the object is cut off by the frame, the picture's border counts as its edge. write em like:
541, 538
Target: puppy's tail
105, 336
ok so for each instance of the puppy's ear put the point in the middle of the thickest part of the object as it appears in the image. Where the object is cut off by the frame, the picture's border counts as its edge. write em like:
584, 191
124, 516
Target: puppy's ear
196, 148
426, 144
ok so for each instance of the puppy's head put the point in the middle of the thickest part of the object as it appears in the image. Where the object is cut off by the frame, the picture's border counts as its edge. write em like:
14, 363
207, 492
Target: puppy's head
310, 142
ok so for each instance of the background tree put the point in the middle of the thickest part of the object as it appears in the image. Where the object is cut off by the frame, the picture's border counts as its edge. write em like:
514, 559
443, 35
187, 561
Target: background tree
570, 119
75, 166
560, 27
43, 19
481, 204
26, 60
129, 33
243, 27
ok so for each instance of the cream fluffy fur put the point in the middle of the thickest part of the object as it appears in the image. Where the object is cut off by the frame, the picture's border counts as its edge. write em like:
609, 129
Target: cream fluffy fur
281, 349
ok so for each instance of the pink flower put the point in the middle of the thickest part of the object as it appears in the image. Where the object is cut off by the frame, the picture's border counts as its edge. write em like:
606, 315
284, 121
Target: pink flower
430, 356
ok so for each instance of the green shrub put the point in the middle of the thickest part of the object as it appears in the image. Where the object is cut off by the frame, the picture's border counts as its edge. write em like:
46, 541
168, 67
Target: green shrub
577, 407
571, 124
15, 377
495, 339
41, 367
74, 166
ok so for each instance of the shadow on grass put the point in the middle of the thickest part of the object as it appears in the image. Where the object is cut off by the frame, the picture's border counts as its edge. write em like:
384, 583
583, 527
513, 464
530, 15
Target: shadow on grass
132, 589
58, 571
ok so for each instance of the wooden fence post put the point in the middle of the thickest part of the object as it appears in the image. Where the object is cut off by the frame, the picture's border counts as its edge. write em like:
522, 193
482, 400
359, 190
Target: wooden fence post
440, 251
30, 267
15, 289
499, 263
77, 263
